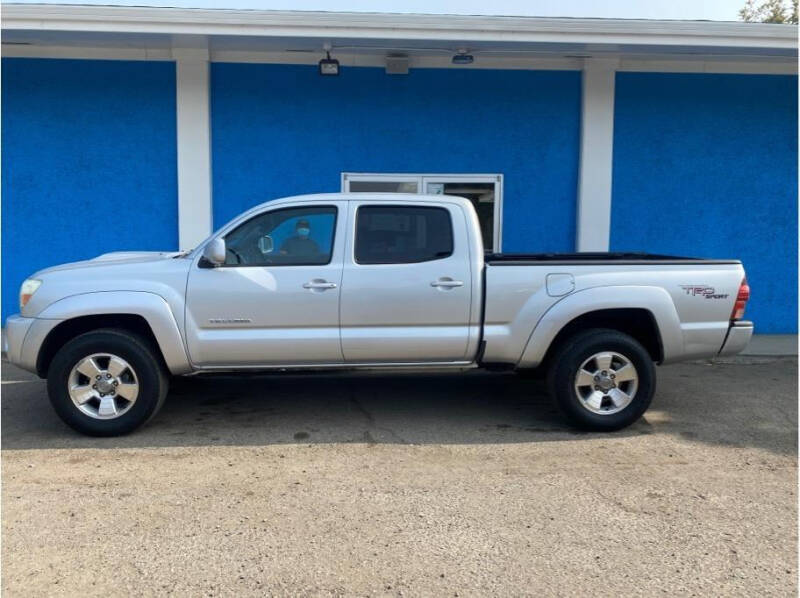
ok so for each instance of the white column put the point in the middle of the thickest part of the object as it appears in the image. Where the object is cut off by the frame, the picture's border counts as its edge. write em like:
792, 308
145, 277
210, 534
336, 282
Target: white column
194, 139
597, 145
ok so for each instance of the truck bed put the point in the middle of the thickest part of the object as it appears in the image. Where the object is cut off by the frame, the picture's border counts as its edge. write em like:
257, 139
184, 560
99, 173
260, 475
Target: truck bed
690, 300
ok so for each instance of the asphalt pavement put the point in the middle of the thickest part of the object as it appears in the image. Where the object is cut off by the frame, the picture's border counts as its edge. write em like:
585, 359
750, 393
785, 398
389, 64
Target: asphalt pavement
414, 484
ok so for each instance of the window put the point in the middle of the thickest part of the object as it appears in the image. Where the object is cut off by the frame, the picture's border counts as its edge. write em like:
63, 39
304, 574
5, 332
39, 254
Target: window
384, 187
288, 237
402, 234
485, 191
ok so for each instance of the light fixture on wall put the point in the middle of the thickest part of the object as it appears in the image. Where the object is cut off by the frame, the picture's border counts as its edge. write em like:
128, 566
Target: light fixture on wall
463, 57
328, 66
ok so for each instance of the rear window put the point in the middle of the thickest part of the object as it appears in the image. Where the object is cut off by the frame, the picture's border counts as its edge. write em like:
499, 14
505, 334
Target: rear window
402, 234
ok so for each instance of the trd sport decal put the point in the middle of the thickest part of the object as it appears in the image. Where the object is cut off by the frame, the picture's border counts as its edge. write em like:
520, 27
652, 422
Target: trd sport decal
702, 290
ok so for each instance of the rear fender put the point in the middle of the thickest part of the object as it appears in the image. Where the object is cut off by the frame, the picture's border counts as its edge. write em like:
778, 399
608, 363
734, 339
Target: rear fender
653, 299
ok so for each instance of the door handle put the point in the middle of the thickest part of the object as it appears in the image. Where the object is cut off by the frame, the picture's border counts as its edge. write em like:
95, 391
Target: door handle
447, 283
319, 284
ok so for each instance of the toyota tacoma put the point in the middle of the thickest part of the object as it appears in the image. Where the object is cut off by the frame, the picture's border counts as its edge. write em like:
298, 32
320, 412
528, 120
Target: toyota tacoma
364, 281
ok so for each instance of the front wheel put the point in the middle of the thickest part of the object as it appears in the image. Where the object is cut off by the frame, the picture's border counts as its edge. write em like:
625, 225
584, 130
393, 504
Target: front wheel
602, 379
106, 383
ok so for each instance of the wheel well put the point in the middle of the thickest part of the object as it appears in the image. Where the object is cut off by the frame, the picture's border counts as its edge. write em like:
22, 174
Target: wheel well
69, 329
636, 322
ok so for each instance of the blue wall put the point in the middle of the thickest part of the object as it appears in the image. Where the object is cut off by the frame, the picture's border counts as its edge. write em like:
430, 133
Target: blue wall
706, 165
703, 164
283, 130
88, 162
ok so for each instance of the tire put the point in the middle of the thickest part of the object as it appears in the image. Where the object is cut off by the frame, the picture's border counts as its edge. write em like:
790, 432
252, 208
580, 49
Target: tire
612, 399
136, 369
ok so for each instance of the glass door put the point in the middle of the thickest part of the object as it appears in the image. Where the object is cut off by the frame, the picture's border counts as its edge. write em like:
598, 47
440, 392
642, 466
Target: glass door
482, 194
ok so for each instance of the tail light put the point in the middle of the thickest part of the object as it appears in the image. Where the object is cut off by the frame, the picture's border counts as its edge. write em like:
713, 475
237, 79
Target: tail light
741, 300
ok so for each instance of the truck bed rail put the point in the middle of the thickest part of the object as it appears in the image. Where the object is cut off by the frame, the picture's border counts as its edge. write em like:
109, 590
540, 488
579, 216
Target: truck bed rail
595, 258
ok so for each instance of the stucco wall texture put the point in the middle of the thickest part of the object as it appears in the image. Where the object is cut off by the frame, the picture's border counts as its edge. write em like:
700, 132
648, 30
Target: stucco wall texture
706, 165
88, 162
282, 130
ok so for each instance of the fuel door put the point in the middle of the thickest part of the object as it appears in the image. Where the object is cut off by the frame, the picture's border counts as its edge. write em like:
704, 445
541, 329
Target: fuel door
559, 284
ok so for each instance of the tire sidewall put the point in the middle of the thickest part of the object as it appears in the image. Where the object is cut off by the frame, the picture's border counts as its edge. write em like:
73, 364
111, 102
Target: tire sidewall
130, 348
569, 360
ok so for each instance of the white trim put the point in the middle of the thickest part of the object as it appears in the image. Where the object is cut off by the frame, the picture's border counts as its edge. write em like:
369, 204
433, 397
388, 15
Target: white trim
720, 66
532, 61
330, 25
442, 60
194, 142
86, 52
423, 178
596, 156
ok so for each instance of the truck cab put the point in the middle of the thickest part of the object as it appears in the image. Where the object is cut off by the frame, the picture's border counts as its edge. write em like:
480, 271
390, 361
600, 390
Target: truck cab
380, 280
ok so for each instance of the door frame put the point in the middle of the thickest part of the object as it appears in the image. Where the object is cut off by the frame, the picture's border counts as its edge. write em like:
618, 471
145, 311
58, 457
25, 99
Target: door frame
422, 180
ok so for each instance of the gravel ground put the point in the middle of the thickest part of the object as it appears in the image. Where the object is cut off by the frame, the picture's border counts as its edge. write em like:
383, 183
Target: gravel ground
426, 484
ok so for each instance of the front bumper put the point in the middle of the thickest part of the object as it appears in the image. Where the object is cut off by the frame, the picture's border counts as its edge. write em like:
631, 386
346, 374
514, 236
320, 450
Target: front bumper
24, 338
16, 330
739, 335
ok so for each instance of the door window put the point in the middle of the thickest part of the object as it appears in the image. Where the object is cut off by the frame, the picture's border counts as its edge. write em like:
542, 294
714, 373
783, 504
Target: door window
284, 237
402, 234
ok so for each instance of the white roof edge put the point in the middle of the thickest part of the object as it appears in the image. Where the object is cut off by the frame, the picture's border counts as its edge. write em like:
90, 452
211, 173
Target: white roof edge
127, 19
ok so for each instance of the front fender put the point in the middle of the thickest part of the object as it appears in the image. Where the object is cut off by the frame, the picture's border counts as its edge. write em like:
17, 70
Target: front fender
153, 308
655, 300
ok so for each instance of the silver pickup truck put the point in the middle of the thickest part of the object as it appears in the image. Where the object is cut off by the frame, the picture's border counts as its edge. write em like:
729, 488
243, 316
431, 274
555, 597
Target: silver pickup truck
364, 281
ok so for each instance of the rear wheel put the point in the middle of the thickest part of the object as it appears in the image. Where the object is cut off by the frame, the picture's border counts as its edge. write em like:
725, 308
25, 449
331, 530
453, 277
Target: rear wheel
106, 383
602, 379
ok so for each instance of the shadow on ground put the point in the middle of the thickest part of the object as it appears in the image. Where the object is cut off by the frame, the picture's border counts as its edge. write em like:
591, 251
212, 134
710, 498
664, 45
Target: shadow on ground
749, 402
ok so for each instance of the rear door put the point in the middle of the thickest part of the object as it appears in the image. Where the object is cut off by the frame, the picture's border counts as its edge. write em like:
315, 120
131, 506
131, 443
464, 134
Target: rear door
406, 284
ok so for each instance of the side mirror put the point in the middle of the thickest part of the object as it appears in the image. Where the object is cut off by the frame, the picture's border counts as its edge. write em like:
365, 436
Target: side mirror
214, 251
265, 244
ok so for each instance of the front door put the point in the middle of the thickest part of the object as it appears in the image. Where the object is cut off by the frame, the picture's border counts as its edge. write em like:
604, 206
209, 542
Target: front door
275, 300
407, 284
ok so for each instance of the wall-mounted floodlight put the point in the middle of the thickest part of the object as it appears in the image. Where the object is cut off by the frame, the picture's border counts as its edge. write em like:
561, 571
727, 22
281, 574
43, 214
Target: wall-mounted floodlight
328, 65
462, 57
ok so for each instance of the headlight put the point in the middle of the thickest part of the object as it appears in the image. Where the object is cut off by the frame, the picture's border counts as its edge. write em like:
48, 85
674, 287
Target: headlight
27, 290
